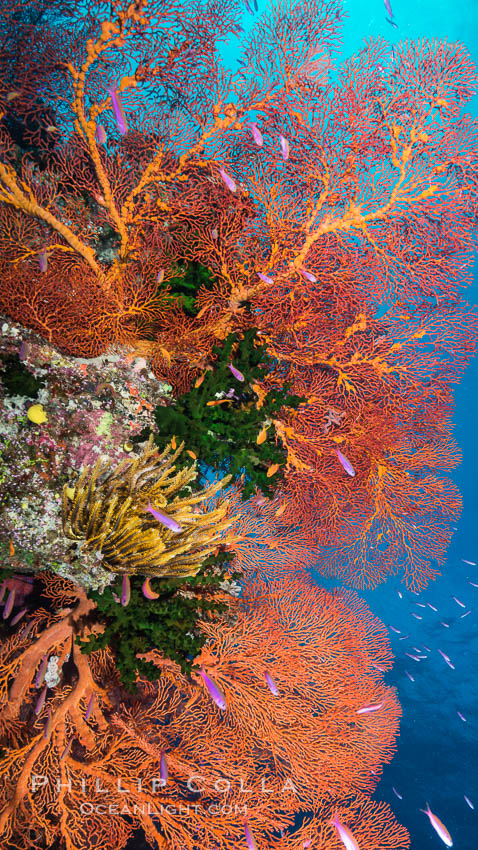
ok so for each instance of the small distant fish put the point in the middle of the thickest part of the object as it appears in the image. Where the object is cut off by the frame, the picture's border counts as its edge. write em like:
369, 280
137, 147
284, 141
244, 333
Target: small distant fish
409, 676
43, 261
396, 793
470, 563
148, 592
164, 772
438, 826
265, 278
41, 672
473, 583
16, 619
236, 373
160, 276
100, 134
168, 521
420, 604
118, 111
346, 837
462, 717
417, 616
284, 146
89, 707
227, 180
388, 8
400, 594
345, 463
432, 606
394, 629
125, 591
415, 657
271, 684
67, 749
404, 637
272, 470
256, 134
446, 625
9, 604
446, 659
465, 614
41, 700
467, 800
249, 838
462, 604
309, 276
214, 690
367, 709
214, 233
426, 647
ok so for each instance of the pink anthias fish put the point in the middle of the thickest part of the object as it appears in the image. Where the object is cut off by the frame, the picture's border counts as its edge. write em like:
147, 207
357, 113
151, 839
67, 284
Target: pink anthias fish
432, 606
89, 707
249, 838
41, 673
438, 826
284, 146
256, 134
467, 800
100, 134
309, 276
41, 700
446, 659
367, 709
214, 690
168, 521
396, 793
417, 616
125, 591
9, 604
470, 563
458, 602
345, 463
409, 676
236, 373
462, 717
43, 261
160, 276
346, 837
16, 619
315, 67
118, 111
265, 278
163, 772
228, 181
271, 684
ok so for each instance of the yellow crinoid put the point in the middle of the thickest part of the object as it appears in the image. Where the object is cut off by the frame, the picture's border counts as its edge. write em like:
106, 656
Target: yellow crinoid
108, 510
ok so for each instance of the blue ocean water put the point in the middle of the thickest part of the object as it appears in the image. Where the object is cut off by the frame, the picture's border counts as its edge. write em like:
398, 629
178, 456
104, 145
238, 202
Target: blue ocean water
437, 752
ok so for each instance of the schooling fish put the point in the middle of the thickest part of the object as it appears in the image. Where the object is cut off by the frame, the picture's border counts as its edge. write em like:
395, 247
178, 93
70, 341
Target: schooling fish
228, 181
367, 709
284, 146
256, 134
345, 463
237, 374
168, 521
214, 690
438, 826
271, 684
346, 837
118, 111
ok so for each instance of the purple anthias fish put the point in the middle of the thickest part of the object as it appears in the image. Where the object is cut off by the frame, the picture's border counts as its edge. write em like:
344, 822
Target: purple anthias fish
271, 684
265, 278
284, 146
168, 521
367, 709
43, 261
89, 707
396, 793
228, 181
256, 134
125, 591
9, 604
41, 673
41, 700
249, 838
236, 373
118, 111
309, 276
214, 690
100, 134
388, 8
163, 772
345, 463
18, 617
